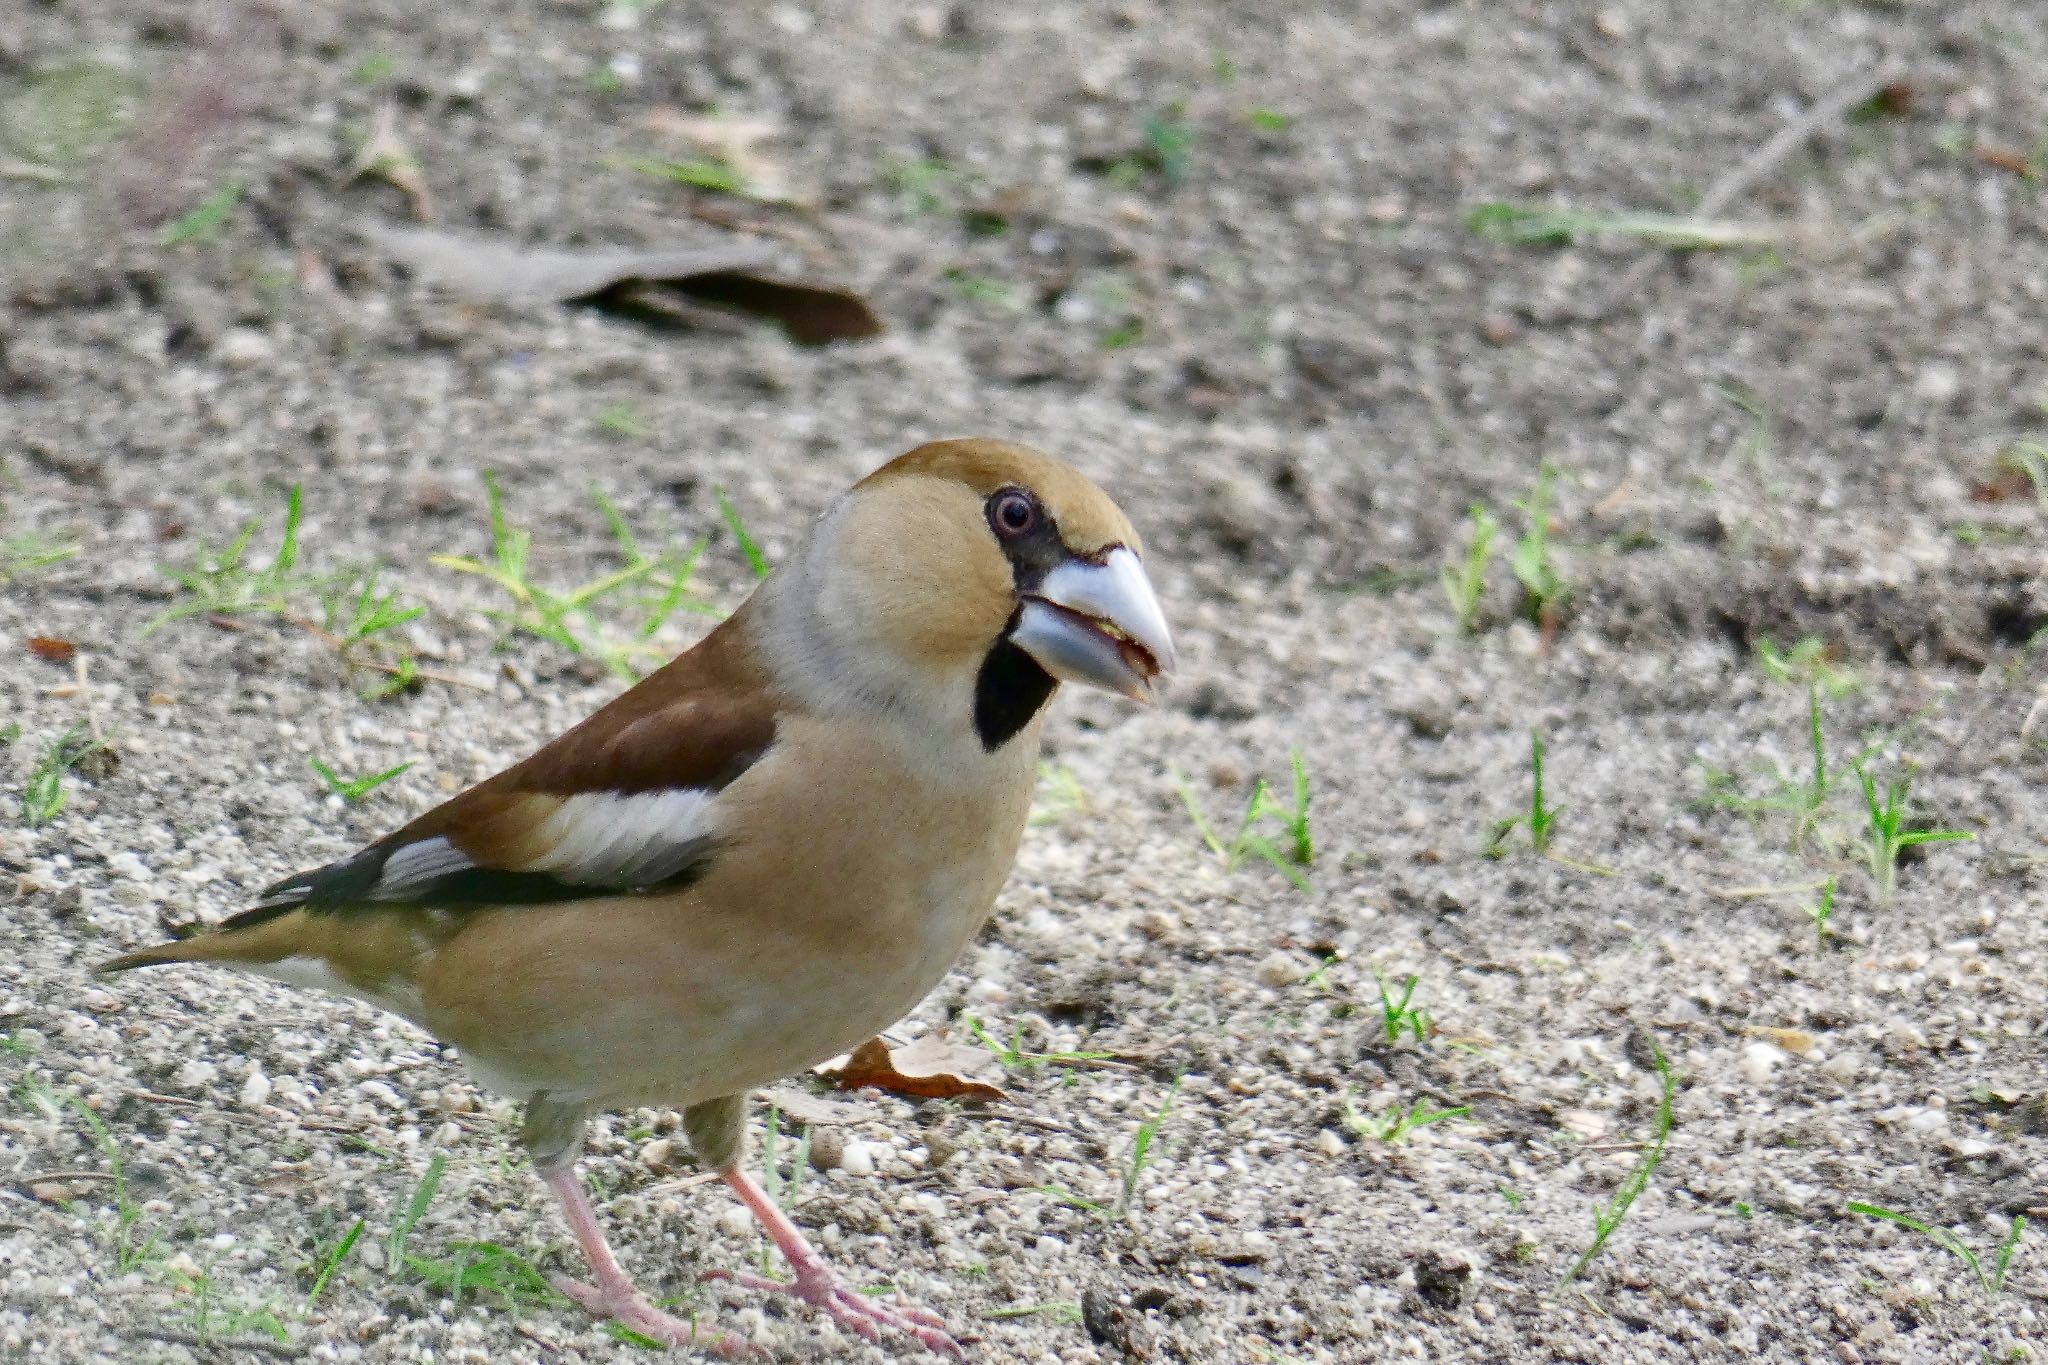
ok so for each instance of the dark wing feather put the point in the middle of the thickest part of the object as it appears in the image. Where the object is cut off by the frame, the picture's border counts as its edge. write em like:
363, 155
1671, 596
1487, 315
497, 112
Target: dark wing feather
624, 802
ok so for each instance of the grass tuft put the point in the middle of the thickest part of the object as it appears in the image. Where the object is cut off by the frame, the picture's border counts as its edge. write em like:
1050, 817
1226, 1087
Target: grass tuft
204, 220
1400, 1016
29, 551
1534, 558
1803, 798
133, 1251
1013, 1056
783, 1190
1399, 1123
352, 790
568, 617
1888, 836
354, 611
325, 1263
1141, 1151
1059, 794
1534, 225
715, 174
1540, 818
1990, 1279
1811, 662
43, 795
1822, 911
415, 1208
484, 1270
214, 1321
1300, 847
1465, 584
223, 584
1607, 1217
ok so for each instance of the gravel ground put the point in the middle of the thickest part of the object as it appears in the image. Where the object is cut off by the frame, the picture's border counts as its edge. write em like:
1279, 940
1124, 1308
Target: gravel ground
1220, 260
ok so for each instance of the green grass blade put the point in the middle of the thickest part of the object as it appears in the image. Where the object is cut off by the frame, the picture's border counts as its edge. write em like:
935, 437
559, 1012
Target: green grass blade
333, 1262
756, 560
415, 1209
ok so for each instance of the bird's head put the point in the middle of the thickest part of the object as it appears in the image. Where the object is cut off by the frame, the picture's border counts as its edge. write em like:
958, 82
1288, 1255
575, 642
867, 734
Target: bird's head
977, 572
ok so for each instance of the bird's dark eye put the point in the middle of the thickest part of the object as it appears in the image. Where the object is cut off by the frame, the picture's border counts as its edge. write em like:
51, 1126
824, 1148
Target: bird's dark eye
1012, 513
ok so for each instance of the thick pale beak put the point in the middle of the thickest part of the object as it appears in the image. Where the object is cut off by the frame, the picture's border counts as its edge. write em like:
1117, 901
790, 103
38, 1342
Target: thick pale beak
1098, 624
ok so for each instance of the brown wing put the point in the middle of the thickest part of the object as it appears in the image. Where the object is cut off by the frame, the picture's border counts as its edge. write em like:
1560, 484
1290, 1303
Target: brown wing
626, 801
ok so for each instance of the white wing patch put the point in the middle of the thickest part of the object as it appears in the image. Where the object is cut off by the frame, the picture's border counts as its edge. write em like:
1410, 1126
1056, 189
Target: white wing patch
597, 839
414, 866
603, 839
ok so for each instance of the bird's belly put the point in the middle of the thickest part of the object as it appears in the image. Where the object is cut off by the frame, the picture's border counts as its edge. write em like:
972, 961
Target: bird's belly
601, 1008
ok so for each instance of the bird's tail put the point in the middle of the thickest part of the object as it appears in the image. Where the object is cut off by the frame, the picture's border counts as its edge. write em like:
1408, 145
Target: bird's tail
185, 950
258, 934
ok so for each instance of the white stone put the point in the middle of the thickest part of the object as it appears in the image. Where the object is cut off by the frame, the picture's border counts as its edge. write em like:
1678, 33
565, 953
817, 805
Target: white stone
255, 1087
1759, 1060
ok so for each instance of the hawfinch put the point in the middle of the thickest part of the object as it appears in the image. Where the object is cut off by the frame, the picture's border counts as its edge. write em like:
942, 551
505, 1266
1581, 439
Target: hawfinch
759, 857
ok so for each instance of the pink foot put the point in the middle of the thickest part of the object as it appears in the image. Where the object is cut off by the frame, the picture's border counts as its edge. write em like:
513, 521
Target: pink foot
862, 1314
634, 1313
818, 1285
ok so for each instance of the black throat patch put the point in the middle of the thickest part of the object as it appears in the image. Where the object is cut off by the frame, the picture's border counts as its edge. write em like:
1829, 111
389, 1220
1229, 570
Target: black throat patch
1009, 690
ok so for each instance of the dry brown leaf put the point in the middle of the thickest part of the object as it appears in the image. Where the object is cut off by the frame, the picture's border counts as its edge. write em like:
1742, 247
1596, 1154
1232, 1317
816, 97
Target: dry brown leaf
810, 314
2005, 159
658, 286
50, 647
1794, 1040
928, 1069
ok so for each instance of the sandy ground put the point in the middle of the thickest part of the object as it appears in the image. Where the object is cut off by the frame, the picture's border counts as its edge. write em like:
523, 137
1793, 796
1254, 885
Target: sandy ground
1265, 324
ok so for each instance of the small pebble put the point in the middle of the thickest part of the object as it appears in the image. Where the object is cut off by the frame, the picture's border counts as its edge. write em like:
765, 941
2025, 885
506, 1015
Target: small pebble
243, 347
828, 1150
381, 1093
1282, 969
1759, 1060
255, 1087
197, 1075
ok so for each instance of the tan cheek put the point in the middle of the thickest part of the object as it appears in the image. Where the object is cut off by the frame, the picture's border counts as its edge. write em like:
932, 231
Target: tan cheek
947, 600
943, 614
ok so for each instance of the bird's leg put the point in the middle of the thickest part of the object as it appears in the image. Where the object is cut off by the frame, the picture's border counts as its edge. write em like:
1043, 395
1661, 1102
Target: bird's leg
553, 1132
610, 1294
718, 1131
817, 1284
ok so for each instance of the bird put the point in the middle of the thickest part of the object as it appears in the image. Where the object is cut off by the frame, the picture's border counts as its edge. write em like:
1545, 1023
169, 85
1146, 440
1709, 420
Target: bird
759, 856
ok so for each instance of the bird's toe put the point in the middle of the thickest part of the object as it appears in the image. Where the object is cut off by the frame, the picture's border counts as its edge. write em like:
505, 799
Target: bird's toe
632, 1311
865, 1316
